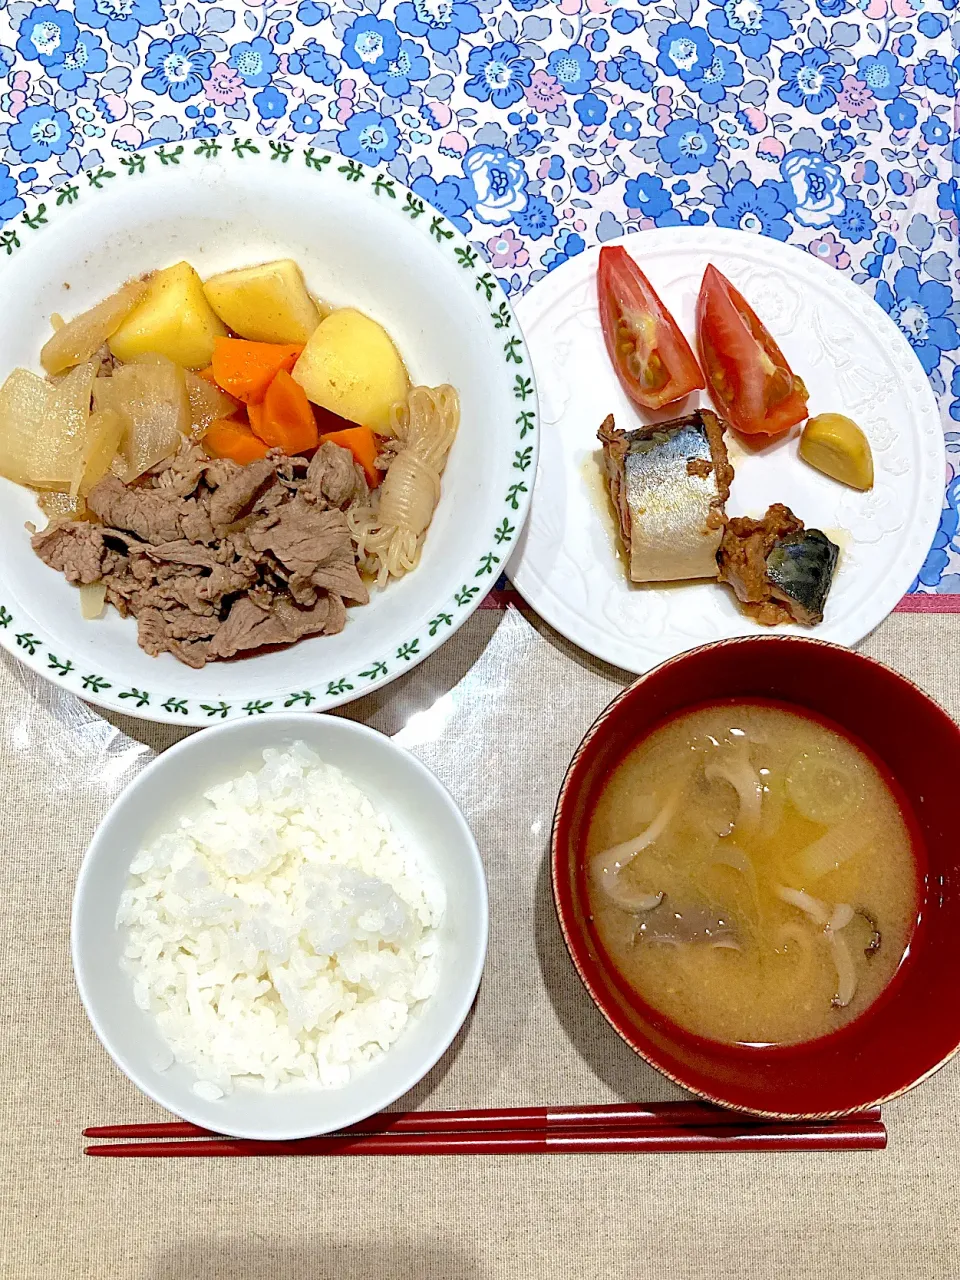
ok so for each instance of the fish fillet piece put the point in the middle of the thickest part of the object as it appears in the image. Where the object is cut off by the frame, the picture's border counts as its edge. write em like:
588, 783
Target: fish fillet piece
779, 570
669, 482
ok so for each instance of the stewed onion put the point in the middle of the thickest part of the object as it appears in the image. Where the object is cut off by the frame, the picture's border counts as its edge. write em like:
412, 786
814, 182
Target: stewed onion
92, 600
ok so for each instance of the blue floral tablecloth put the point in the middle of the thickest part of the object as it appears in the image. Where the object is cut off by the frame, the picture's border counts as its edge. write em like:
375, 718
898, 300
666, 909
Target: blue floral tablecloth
539, 127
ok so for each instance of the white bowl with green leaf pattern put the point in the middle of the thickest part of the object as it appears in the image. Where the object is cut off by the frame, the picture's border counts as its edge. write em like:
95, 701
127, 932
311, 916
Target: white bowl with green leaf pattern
362, 240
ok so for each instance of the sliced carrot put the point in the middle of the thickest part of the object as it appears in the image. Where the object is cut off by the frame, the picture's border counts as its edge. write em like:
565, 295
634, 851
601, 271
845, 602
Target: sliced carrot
228, 439
255, 416
208, 375
246, 369
362, 443
285, 418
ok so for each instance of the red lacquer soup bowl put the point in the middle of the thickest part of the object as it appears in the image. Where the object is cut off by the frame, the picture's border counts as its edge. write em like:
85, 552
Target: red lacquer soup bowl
914, 1027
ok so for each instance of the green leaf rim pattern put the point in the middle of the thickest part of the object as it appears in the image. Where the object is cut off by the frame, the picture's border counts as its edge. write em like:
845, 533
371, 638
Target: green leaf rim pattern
445, 617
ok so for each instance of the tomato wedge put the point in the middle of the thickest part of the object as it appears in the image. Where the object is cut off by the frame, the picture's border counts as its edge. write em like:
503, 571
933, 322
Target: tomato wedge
652, 358
750, 381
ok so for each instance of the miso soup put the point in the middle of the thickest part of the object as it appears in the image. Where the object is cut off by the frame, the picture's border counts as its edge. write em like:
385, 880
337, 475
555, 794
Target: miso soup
751, 875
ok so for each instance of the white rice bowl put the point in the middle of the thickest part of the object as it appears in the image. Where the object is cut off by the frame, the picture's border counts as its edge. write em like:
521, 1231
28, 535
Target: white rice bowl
293, 952
281, 933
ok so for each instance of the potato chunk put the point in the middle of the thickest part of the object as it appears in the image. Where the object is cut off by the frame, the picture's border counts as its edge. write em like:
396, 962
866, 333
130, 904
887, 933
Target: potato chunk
268, 303
174, 319
351, 367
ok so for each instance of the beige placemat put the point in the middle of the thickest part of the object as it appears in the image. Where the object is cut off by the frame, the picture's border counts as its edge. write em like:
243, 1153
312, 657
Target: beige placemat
497, 714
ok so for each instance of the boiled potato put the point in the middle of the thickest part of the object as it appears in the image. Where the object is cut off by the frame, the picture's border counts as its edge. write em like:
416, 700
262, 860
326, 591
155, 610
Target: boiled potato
268, 303
351, 367
174, 319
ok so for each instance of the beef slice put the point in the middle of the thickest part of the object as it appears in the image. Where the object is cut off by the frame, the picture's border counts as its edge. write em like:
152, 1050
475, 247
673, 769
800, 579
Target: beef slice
333, 476
248, 626
314, 545
232, 497
74, 548
149, 513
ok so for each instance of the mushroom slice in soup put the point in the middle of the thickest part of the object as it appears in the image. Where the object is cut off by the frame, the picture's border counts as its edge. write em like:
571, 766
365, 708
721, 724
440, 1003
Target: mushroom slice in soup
673, 923
734, 767
607, 867
831, 922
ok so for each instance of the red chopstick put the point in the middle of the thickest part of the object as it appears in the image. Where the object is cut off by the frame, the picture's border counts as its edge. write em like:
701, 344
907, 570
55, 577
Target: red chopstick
845, 1136
627, 1116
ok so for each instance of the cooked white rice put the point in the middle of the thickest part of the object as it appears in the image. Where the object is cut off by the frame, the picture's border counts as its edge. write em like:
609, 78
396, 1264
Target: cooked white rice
281, 932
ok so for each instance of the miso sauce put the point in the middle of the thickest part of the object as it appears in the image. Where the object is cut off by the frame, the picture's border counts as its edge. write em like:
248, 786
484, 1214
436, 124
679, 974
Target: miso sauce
727, 952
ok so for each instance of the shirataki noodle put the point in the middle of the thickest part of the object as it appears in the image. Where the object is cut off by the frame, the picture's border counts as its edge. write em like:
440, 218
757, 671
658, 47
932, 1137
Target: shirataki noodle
392, 533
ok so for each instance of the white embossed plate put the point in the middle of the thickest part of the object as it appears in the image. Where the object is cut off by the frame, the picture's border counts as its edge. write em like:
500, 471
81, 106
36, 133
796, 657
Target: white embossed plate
362, 240
854, 360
